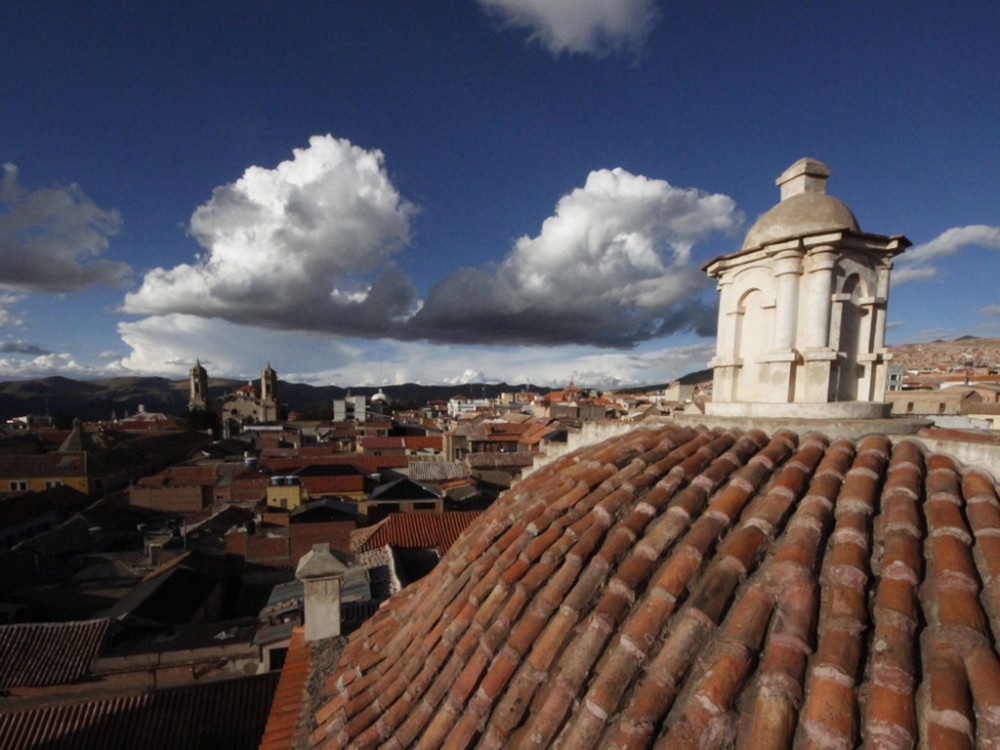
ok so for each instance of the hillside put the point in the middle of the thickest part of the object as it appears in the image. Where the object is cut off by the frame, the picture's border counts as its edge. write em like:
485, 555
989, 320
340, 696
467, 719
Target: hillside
948, 354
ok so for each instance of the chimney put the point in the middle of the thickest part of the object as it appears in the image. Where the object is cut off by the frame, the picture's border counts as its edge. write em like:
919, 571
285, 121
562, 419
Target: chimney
804, 176
320, 573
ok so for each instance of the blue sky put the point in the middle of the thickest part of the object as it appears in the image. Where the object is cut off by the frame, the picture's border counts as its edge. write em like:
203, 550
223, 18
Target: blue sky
381, 192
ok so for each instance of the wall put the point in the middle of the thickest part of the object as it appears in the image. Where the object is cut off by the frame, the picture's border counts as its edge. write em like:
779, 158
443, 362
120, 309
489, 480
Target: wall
42, 483
171, 499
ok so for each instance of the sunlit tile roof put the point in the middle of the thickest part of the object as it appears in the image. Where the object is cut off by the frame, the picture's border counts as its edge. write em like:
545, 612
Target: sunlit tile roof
674, 587
414, 530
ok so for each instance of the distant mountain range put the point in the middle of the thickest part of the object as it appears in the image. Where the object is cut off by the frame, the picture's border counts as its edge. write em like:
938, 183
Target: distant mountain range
102, 399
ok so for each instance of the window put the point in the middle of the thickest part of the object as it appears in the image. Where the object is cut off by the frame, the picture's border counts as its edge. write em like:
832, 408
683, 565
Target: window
50, 483
17, 484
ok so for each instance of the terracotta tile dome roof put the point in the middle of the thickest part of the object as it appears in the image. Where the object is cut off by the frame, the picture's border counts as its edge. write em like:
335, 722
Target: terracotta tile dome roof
675, 587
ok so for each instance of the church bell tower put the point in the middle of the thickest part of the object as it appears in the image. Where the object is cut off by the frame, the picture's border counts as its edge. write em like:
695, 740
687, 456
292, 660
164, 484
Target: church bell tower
268, 395
198, 387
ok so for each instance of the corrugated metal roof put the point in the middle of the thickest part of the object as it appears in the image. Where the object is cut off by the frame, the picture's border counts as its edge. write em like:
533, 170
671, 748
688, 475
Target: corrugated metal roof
39, 654
437, 471
228, 714
491, 459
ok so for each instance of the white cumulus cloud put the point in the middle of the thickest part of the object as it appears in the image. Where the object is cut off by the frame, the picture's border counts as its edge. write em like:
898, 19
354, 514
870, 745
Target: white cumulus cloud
610, 267
308, 246
304, 246
170, 344
905, 274
915, 264
8, 317
45, 365
595, 27
49, 238
952, 240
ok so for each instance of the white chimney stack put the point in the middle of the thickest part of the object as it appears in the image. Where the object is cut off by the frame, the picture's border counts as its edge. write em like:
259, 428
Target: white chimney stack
320, 573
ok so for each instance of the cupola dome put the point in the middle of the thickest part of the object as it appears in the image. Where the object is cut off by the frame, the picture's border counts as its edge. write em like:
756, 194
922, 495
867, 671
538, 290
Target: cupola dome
805, 208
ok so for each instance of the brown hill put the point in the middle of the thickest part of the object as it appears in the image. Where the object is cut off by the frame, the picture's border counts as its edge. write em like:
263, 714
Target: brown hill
946, 355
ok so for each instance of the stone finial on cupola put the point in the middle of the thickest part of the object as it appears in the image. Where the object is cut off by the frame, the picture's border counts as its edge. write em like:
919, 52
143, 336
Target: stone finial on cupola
804, 176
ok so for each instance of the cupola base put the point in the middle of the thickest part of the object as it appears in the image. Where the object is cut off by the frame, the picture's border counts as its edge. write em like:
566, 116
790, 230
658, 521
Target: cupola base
800, 409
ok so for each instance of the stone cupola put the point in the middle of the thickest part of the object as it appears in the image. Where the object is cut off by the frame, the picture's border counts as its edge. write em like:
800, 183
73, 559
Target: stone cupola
802, 309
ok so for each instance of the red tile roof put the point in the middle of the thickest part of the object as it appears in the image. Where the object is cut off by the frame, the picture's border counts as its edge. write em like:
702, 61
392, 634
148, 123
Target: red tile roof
424, 442
226, 714
425, 530
366, 463
673, 587
38, 654
319, 485
284, 718
535, 432
376, 443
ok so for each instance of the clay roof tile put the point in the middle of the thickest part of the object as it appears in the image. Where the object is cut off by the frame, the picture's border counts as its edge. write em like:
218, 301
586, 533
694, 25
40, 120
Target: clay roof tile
670, 585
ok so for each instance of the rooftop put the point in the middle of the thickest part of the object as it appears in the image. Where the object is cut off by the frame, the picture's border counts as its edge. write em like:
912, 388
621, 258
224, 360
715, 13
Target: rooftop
38, 654
432, 530
689, 587
227, 714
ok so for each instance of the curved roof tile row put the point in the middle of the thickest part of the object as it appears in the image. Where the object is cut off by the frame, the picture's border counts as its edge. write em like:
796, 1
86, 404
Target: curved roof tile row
676, 588
414, 530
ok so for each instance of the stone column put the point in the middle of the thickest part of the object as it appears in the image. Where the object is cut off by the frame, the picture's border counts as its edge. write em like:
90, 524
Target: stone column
881, 373
787, 270
726, 333
821, 263
320, 573
724, 365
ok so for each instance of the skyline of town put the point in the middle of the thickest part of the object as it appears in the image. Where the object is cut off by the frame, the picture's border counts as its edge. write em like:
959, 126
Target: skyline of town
468, 192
